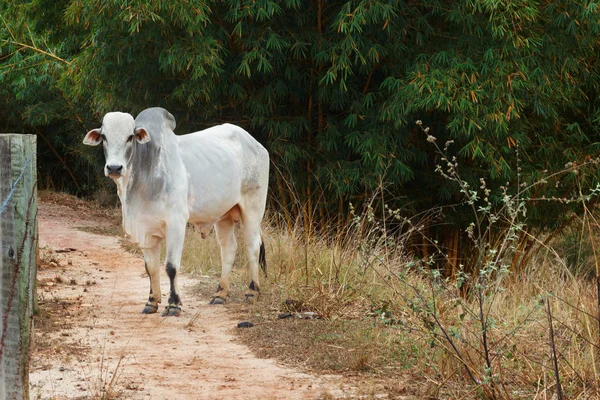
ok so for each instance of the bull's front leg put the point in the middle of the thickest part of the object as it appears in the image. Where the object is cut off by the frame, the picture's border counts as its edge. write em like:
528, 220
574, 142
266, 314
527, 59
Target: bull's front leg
174, 242
152, 260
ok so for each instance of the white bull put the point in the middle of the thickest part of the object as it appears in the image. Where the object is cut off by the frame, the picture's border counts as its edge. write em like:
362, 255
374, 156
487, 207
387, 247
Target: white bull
215, 177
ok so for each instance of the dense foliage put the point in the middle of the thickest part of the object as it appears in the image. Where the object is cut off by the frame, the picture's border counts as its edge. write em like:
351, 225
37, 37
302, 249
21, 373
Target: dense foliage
332, 88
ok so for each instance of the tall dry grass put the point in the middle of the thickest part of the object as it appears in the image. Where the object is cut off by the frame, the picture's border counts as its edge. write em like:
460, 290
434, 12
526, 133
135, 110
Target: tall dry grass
489, 331
366, 275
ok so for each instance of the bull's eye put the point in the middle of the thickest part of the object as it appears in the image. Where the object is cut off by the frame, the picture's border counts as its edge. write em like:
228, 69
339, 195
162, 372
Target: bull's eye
130, 139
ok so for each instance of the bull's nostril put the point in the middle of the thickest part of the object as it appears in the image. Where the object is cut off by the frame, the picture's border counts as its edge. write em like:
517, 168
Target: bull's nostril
114, 169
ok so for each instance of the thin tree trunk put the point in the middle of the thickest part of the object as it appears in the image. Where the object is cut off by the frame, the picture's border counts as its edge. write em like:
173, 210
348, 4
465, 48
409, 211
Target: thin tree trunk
452, 261
425, 243
559, 393
284, 202
340, 219
517, 256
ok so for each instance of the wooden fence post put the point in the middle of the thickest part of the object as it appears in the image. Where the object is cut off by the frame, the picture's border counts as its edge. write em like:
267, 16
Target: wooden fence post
18, 238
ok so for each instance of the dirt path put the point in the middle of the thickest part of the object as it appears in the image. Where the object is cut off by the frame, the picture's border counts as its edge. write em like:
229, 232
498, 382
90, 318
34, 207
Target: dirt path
90, 328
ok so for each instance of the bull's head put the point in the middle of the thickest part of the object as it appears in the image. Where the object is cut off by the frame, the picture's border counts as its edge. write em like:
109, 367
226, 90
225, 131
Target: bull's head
116, 135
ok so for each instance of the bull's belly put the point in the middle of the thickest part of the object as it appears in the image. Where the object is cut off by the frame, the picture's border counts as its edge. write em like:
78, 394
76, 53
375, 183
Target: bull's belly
204, 223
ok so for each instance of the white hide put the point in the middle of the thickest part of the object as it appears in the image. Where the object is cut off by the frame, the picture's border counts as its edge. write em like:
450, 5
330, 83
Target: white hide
225, 165
154, 195
213, 177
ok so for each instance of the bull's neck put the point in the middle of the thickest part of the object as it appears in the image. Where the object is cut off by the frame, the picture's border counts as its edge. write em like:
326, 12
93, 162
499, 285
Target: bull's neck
121, 183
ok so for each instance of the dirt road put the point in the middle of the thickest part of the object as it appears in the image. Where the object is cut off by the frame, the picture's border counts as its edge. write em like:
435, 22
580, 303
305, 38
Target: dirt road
91, 340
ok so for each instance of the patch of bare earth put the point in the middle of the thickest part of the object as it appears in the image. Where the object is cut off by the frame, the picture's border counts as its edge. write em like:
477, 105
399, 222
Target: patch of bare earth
91, 341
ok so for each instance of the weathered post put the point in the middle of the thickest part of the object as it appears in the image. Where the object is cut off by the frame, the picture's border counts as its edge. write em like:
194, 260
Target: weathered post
18, 238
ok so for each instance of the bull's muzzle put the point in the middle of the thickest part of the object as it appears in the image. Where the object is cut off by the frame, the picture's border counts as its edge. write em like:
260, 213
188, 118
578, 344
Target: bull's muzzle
114, 170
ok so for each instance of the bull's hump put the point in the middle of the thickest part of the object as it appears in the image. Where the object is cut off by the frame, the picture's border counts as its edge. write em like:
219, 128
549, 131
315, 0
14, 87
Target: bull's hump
157, 116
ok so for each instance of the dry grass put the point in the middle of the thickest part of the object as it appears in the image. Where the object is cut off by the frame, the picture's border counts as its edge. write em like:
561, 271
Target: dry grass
202, 256
377, 308
375, 321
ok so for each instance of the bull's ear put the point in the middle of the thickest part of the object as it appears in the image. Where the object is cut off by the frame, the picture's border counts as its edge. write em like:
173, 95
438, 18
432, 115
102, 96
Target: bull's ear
93, 138
142, 136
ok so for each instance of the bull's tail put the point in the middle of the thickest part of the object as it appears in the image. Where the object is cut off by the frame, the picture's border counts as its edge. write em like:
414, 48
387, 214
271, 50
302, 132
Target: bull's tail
262, 259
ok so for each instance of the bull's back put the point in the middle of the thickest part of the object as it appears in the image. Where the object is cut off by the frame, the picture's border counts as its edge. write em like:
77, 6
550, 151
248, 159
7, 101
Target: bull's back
222, 162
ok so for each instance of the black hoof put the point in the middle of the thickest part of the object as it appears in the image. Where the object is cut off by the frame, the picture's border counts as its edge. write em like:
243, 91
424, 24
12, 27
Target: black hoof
150, 309
217, 300
171, 311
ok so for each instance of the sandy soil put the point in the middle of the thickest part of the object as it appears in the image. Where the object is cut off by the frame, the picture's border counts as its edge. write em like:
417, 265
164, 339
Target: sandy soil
91, 340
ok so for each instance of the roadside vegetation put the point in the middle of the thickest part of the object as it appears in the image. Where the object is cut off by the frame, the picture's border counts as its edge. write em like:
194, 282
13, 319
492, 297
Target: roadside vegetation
459, 250
517, 318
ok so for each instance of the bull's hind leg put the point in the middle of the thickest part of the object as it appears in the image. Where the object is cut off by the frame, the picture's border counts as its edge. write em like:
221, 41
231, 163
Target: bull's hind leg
152, 260
228, 244
251, 219
174, 241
